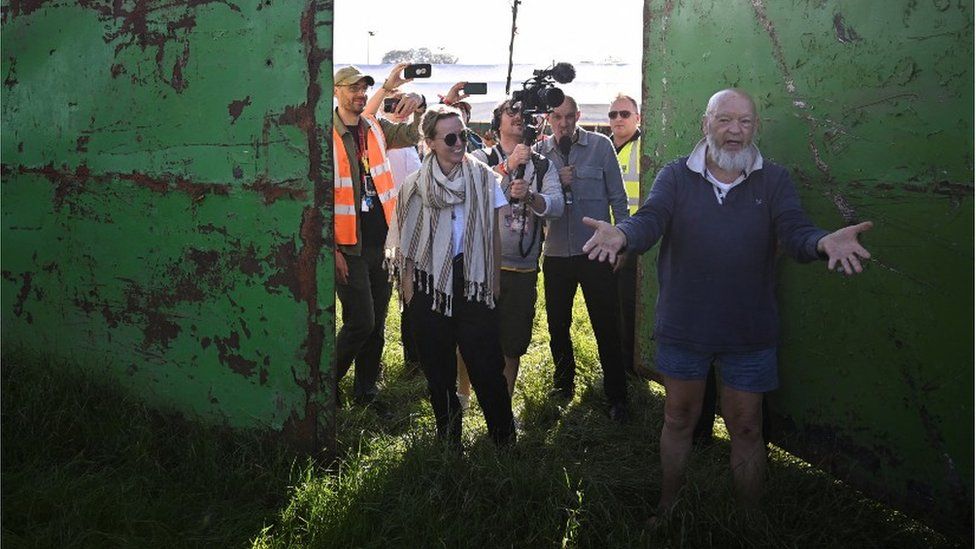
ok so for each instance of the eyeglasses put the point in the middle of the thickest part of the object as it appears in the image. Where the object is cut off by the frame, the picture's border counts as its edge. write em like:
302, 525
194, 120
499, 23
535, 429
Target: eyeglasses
451, 139
623, 114
513, 111
356, 88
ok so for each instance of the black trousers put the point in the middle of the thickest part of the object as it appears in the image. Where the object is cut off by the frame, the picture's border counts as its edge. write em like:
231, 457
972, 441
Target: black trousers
627, 294
365, 299
473, 329
562, 275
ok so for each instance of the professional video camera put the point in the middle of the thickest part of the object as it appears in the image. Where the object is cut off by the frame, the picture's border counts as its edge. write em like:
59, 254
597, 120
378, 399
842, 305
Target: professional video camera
539, 95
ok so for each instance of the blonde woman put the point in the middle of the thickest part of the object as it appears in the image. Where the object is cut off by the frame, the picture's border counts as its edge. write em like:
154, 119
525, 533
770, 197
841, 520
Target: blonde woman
448, 258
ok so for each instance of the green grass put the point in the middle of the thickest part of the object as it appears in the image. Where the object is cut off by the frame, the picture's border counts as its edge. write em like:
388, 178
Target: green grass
85, 466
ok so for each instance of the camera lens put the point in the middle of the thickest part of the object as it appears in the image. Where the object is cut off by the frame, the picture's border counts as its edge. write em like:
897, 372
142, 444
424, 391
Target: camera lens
553, 97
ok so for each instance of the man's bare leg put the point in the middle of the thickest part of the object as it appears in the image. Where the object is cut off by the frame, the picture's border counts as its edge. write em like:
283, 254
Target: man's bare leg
511, 372
682, 405
743, 419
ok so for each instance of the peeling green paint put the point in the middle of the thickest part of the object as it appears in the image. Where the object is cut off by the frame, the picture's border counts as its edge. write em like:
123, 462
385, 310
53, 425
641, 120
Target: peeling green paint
870, 106
164, 208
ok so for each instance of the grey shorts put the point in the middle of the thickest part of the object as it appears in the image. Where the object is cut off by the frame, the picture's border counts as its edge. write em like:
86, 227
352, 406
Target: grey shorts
516, 310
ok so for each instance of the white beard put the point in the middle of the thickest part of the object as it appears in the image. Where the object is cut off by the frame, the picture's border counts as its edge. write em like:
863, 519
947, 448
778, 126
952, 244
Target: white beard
738, 161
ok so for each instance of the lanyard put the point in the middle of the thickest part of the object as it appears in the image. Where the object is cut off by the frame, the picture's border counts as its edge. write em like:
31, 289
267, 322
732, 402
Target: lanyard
363, 152
369, 189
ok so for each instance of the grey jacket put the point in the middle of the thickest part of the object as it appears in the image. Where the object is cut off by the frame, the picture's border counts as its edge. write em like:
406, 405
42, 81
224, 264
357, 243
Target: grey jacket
510, 224
597, 188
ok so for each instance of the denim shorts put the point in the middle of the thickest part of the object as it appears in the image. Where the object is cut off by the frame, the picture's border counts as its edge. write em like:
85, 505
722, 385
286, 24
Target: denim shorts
750, 371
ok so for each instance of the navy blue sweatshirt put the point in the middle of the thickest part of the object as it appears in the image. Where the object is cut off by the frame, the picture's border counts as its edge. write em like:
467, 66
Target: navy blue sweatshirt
716, 266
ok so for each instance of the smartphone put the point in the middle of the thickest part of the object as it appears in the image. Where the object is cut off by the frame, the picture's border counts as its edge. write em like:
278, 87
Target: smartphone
390, 103
476, 88
418, 70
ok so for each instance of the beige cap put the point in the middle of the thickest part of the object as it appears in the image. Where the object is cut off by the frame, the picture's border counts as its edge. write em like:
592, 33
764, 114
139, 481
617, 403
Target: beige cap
347, 76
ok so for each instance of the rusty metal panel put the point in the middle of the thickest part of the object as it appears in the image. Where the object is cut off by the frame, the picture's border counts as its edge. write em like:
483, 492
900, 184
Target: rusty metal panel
870, 104
164, 207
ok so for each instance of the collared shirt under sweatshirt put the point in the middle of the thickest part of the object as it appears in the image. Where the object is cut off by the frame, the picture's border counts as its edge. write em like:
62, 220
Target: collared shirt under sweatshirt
716, 265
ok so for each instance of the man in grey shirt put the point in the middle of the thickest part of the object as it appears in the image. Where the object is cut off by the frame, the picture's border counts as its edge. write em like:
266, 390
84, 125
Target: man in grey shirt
592, 184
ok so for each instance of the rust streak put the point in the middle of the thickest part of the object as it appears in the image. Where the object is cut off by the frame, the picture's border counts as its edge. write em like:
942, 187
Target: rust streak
139, 24
845, 34
236, 107
303, 116
274, 191
22, 294
226, 356
69, 182
22, 7
759, 6
11, 79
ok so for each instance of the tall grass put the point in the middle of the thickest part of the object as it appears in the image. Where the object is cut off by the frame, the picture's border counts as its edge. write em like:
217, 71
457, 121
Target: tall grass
84, 466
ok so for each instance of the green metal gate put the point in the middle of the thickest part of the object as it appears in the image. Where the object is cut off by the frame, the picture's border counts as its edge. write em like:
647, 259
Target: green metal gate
165, 205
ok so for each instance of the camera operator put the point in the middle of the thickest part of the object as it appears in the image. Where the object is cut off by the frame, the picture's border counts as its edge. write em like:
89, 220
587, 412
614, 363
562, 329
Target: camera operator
533, 198
588, 169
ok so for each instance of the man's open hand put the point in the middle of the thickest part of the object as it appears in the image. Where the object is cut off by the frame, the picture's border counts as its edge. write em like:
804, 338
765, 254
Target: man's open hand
605, 243
842, 248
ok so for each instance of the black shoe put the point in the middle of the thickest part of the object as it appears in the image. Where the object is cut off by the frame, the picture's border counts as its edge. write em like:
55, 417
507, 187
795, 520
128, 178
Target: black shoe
377, 406
381, 410
411, 368
561, 394
619, 412
365, 400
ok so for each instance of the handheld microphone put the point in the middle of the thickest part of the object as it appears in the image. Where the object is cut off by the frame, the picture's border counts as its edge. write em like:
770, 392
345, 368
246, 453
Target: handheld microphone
564, 145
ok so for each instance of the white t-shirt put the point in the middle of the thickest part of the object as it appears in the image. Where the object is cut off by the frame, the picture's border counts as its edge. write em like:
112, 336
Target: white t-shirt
457, 218
722, 189
403, 162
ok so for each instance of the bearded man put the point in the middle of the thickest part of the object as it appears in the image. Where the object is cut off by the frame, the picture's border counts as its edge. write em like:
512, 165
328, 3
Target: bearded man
722, 213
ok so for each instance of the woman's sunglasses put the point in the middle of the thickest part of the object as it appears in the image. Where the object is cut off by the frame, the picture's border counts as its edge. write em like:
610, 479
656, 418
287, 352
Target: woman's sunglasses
623, 114
452, 138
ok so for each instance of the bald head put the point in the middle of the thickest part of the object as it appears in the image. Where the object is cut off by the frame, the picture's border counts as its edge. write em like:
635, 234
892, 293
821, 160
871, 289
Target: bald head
563, 118
725, 95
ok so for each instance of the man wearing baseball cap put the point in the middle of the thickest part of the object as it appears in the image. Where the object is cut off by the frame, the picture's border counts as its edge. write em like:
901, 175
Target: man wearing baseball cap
365, 202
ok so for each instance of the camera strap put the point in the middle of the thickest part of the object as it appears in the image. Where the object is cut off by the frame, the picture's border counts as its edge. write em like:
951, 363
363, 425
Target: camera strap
540, 165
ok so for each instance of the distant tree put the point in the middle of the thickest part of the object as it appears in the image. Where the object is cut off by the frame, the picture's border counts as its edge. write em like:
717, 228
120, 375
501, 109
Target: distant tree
421, 55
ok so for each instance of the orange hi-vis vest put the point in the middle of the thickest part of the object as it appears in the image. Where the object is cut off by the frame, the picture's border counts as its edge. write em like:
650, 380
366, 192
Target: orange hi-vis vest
345, 196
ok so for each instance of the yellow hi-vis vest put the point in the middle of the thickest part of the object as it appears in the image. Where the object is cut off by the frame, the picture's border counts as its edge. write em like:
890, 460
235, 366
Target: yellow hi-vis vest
628, 157
345, 195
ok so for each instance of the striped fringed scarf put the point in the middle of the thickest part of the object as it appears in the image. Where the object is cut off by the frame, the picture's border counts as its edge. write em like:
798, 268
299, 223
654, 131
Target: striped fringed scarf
422, 231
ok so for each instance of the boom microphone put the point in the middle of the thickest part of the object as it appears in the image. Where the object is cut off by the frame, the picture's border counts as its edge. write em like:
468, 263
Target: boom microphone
564, 73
